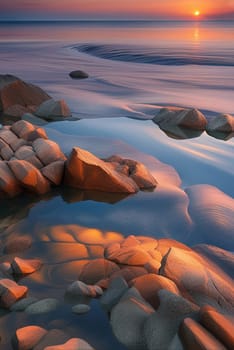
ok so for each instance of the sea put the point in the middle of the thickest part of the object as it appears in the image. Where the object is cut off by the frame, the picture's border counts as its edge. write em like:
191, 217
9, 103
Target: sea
135, 68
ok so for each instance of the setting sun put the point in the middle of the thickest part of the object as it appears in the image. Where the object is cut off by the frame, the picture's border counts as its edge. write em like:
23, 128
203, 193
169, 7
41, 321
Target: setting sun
197, 13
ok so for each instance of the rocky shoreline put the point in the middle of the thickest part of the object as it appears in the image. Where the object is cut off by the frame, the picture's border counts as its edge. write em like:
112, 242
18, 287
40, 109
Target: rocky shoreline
159, 294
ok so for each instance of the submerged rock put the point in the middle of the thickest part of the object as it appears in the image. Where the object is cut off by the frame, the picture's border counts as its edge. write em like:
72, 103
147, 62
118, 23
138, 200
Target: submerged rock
72, 344
78, 74
187, 118
81, 309
42, 306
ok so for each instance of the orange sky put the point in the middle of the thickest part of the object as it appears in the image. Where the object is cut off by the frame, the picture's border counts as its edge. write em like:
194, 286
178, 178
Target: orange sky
116, 9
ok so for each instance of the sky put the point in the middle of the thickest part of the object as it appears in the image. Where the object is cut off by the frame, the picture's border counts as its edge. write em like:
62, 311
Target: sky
115, 9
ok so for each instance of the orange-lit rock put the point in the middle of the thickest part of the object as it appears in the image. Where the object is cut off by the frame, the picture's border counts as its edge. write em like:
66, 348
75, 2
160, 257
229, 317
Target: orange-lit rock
36, 134
135, 170
149, 285
27, 337
164, 245
18, 92
220, 326
29, 176
8, 136
22, 129
196, 337
222, 123
187, 118
129, 272
129, 256
72, 344
10, 292
85, 171
47, 151
25, 266
54, 172
96, 270
198, 279
6, 152
8, 182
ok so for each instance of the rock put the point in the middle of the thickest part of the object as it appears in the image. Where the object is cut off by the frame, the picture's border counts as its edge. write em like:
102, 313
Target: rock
72, 344
53, 110
212, 212
127, 320
117, 287
219, 325
5, 267
29, 176
22, 304
221, 257
135, 170
8, 182
79, 288
149, 285
6, 153
27, 337
80, 308
130, 256
161, 327
53, 337
85, 171
22, 129
54, 172
10, 292
222, 123
17, 244
31, 118
25, 266
187, 118
8, 136
42, 306
47, 151
15, 111
78, 74
27, 153
14, 91
197, 279
38, 133
196, 337
18, 143
97, 269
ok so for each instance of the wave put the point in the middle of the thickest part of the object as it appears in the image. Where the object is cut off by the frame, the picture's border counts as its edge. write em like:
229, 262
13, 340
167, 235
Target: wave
160, 56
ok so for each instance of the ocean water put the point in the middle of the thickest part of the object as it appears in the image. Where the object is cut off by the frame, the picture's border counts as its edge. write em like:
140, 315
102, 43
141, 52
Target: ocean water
135, 68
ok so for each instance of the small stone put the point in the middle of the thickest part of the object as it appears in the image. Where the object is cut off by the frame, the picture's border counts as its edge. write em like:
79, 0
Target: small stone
80, 309
78, 74
43, 306
22, 304
10, 292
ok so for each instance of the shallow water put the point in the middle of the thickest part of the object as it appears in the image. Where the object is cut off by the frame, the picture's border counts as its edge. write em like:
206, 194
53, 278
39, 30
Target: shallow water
193, 202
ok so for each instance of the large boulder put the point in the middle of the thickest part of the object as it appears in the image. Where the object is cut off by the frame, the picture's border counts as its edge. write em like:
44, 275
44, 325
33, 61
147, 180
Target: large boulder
16, 92
85, 171
53, 110
29, 176
198, 279
187, 118
222, 123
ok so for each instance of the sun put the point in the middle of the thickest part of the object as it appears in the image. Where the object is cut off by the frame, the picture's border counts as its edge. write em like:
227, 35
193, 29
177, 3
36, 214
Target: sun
196, 13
